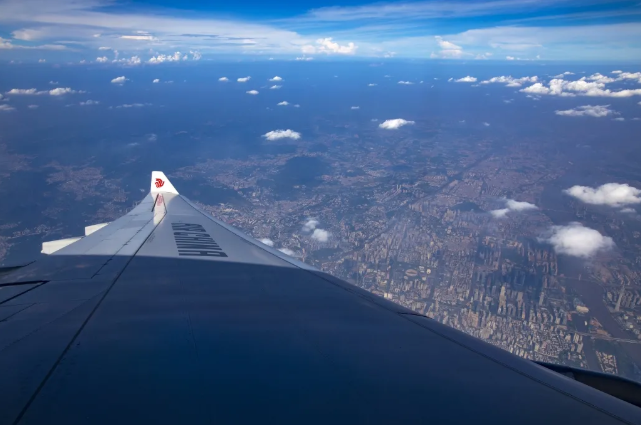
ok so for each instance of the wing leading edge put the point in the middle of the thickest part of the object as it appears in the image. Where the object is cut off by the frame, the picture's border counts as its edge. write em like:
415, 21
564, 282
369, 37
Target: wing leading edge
168, 315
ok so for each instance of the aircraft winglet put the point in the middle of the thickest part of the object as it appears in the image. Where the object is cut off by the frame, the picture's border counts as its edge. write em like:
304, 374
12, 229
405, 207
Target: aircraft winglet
161, 184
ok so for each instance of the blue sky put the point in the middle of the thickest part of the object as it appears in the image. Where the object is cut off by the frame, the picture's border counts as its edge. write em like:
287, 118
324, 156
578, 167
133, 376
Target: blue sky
132, 33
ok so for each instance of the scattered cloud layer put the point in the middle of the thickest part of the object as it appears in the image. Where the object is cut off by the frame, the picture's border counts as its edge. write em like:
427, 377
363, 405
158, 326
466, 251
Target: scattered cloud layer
613, 194
487, 28
394, 124
510, 81
593, 86
89, 103
596, 111
58, 91
576, 240
407, 83
282, 134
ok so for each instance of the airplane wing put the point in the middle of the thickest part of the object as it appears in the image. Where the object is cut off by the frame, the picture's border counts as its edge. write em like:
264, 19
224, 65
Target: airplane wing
169, 316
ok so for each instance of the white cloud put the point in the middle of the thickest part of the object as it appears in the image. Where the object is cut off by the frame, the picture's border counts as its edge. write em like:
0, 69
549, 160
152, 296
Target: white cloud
630, 76
305, 58
320, 235
444, 44
119, 80
253, 92
616, 72
519, 205
104, 48
32, 106
407, 83
224, 79
355, 107
177, 56
31, 92
597, 111
156, 80
89, 102
500, 213
276, 78
512, 205
53, 82
628, 210
23, 92
619, 119
102, 59
613, 194
599, 78
275, 87
486, 124
394, 124
287, 251
297, 106
510, 58
448, 50
137, 37
467, 79
6, 108
326, 45
582, 87
577, 240
372, 84
132, 61
563, 74
308, 49
243, 79
267, 241
283, 103
310, 225
510, 81
133, 105
59, 91
282, 134
42, 60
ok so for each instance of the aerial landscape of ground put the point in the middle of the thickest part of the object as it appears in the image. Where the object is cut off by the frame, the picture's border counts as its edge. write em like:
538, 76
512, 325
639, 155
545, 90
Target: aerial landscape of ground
499, 199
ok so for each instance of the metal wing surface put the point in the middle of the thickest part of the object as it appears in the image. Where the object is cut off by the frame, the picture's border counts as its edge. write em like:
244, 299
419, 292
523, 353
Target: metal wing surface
169, 316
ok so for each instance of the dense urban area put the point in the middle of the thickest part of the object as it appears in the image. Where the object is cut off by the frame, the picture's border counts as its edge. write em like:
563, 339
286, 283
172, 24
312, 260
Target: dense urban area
460, 228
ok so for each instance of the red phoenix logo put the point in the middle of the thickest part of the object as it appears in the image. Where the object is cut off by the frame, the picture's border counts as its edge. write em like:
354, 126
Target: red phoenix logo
159, 183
